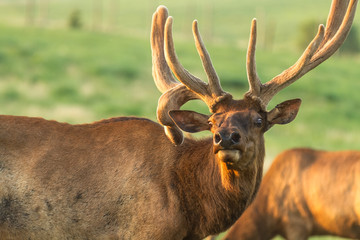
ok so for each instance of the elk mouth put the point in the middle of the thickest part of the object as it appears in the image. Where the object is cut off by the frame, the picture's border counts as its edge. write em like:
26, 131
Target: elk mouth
230, 156
234, 158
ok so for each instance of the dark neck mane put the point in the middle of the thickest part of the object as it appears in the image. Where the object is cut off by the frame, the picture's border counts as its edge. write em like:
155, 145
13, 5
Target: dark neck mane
210, 206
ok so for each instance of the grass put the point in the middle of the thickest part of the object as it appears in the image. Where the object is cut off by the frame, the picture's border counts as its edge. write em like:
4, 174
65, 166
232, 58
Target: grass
104, 70
55, 67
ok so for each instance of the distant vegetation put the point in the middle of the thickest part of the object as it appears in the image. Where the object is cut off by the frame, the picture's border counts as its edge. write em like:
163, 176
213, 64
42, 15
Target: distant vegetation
309, 28
352, 43
75, 20
104, 70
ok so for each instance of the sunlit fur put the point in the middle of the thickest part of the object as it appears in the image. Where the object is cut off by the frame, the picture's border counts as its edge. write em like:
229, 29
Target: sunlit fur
123, 179
305, 193
119, 179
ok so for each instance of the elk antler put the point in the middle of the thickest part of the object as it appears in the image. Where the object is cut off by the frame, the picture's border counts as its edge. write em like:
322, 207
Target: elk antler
176, 94
325, 43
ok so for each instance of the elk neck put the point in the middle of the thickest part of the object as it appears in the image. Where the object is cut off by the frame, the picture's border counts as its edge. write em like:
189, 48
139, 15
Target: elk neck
213, 196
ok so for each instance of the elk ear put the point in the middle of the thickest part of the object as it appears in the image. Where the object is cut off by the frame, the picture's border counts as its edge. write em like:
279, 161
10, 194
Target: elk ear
283, 113
190, 121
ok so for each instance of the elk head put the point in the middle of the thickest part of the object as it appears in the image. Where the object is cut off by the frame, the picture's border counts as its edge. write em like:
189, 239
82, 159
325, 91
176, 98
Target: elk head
237, 125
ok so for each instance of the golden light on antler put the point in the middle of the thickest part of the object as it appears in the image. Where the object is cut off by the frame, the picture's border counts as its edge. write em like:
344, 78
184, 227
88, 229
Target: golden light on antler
188, 87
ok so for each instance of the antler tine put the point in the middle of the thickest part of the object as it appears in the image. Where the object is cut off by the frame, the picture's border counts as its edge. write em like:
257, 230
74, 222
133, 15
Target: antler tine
337, 11
202, 89
175, 94
214, 81
161, 72
325, 43
189, 80
293, 73
253, 78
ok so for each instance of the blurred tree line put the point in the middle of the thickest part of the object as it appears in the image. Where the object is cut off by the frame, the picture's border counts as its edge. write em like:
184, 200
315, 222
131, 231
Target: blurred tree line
37, 11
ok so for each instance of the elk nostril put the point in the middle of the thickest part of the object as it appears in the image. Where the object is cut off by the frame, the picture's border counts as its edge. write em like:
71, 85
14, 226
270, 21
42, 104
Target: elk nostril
217, 138
235, 137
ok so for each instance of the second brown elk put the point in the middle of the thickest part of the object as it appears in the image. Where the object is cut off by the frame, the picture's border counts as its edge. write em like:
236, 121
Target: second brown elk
125, 178
305, 193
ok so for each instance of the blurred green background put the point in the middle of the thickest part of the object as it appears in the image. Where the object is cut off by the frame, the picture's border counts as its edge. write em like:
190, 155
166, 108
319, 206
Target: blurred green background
85, 60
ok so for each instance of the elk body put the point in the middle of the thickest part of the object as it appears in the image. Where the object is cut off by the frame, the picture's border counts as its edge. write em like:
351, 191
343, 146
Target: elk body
127, 178
305, 193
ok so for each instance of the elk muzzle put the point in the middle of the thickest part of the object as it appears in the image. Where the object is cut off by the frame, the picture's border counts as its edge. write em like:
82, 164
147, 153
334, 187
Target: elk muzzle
227, 146
223, 139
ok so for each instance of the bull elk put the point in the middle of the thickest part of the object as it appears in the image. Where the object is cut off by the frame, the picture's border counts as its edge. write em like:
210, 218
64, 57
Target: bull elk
122, 178
305, 193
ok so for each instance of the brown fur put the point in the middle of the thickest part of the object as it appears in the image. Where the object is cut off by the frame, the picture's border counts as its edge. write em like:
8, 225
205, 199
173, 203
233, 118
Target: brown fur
123, 179
97, 181
305, 193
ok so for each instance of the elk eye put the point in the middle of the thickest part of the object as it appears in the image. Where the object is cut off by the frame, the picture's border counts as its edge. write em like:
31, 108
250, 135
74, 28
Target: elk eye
258, 122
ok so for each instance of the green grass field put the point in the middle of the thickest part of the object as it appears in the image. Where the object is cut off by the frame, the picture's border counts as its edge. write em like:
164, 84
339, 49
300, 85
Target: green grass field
104, 69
